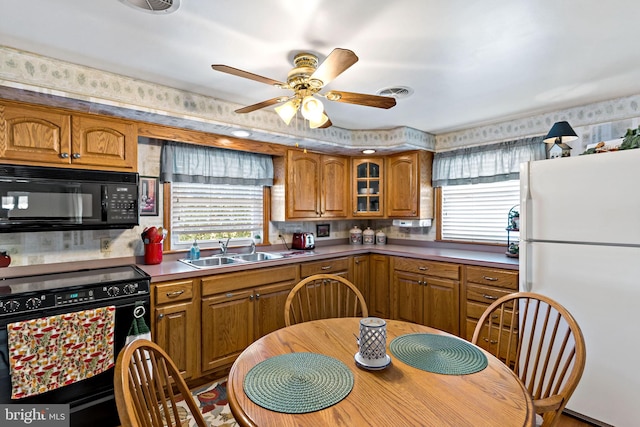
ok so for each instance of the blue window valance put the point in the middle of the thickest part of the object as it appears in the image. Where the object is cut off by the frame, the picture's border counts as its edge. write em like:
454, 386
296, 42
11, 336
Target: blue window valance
181, 162
486, 163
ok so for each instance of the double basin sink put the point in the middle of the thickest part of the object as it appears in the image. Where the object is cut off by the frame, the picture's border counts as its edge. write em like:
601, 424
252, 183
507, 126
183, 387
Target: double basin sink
227, 259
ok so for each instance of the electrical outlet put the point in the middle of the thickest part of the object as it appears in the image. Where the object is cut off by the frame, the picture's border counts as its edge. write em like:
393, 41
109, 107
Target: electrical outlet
105, 244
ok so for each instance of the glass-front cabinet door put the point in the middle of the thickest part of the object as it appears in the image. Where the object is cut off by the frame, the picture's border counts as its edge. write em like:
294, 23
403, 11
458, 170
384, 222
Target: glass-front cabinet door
368, 187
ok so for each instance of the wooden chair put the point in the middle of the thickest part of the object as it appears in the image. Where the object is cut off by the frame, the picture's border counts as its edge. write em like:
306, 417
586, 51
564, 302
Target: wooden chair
541, 342
323, 296
146, 381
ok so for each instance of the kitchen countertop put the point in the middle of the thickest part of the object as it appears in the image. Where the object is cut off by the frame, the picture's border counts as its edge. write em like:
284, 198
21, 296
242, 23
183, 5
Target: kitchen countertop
172, 269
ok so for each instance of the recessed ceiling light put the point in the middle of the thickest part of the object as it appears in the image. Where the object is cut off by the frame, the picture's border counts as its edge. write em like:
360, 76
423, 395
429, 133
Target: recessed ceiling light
240, 133
368, 151
153, 6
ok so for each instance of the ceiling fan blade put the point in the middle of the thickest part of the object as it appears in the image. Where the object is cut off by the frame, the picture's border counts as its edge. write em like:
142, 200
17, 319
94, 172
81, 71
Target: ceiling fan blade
334, 65
259, 105
246, 75
361, 99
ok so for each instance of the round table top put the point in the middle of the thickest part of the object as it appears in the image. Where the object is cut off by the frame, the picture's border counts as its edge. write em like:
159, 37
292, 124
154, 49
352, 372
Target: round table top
397, 395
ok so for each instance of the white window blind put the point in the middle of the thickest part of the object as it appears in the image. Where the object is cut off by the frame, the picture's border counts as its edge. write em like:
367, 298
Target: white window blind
209, 212
478, 212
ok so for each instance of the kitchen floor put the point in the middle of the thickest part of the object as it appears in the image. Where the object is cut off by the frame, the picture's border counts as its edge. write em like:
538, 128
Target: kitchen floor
568, 421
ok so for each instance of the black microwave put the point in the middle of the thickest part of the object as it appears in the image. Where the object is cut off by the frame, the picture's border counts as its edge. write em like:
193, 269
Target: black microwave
36, 198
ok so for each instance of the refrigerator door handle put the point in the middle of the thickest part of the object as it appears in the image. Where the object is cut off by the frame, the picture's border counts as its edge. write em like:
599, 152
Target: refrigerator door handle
526, 255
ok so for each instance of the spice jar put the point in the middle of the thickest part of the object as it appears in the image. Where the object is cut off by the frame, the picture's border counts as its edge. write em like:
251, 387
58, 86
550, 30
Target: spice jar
368, 236
381, 238
355, 235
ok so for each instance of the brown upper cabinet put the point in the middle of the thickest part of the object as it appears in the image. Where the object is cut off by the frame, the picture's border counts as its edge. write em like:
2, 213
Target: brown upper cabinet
368, 187
316, 186
44, 136
408, 185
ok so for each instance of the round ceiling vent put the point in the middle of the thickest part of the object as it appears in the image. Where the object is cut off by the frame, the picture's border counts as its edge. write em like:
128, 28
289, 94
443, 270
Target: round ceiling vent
153, 6
396, 92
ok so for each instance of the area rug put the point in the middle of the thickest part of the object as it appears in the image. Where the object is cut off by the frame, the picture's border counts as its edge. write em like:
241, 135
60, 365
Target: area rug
214, 405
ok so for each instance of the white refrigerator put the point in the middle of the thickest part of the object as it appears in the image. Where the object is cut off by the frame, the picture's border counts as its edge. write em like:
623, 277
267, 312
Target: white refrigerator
580, 245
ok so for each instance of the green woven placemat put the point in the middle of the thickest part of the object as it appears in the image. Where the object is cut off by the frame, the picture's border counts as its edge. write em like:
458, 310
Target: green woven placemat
297, 383
438, 353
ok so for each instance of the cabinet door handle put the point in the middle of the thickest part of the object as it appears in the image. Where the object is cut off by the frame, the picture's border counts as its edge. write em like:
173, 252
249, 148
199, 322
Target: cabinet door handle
175, 293
257, 296
228, 295
160, 316
325, 267
491, 297
76, 155
64, 155
491, 279
251, 297
423, 268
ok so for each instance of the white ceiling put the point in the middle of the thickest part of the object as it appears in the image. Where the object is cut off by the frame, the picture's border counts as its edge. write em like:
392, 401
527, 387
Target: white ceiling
468, 62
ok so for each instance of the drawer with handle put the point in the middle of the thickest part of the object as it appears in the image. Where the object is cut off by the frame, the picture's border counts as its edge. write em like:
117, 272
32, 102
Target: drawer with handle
485, 294
173, 291
430, 268
329, 266
493, 277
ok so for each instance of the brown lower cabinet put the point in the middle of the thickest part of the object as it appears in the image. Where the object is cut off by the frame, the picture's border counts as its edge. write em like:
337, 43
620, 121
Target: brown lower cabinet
238, 308
483, 286
205, 323
175, 322
427, 292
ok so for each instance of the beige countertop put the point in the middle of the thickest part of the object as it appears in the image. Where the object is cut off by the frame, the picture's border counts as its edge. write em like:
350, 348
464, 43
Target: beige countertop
172, 269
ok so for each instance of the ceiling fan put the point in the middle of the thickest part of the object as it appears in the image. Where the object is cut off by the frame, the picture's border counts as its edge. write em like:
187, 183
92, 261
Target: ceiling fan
307, 79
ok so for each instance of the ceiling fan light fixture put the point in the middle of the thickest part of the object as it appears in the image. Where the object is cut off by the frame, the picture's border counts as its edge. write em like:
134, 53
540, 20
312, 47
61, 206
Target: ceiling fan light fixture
312, 109
287, 111
323, 119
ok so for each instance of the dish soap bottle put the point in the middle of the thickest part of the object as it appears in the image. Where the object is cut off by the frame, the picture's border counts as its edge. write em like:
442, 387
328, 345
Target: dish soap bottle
195, 251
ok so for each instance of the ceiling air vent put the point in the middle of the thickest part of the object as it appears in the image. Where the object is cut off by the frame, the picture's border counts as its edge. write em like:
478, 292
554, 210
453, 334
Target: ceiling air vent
396, 92
153, 6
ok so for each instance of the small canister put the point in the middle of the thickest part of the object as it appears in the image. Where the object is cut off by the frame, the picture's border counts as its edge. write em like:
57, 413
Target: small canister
381, 238
368, 236
355, 236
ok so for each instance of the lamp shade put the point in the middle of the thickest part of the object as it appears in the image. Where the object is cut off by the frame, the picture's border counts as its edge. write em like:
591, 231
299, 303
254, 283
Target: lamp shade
287, 111
323, 119
312, 109
560, 132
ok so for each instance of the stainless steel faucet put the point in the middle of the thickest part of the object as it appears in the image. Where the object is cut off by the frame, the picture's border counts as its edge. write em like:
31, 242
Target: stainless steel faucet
224, 245
253, 247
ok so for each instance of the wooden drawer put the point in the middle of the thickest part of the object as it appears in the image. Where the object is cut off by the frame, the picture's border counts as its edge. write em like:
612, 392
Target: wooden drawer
430, 268
490, 343
173, 291
493, 277
247, 279
329, 266
485, 294
475, 310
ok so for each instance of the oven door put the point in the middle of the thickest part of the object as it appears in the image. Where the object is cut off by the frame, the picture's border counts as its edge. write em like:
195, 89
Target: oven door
91, 400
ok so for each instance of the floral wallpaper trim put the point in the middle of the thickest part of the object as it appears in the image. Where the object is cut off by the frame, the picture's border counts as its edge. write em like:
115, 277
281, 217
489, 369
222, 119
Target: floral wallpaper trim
43, 74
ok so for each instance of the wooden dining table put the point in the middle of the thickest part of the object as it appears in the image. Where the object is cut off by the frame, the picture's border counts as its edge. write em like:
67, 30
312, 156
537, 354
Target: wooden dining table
399, 395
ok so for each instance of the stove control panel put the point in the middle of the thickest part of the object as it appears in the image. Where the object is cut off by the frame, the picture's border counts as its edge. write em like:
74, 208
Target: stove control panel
71, 297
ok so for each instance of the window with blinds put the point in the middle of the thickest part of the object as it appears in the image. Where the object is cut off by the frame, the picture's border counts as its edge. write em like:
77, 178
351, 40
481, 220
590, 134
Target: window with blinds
478, 212
212, 212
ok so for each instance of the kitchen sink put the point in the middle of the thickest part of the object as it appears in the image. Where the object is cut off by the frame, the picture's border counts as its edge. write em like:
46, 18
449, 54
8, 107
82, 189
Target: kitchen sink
220, 260
212, 261
258, 256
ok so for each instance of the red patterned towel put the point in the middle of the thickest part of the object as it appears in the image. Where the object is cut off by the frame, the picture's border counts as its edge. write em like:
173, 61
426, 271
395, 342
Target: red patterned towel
55, 351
